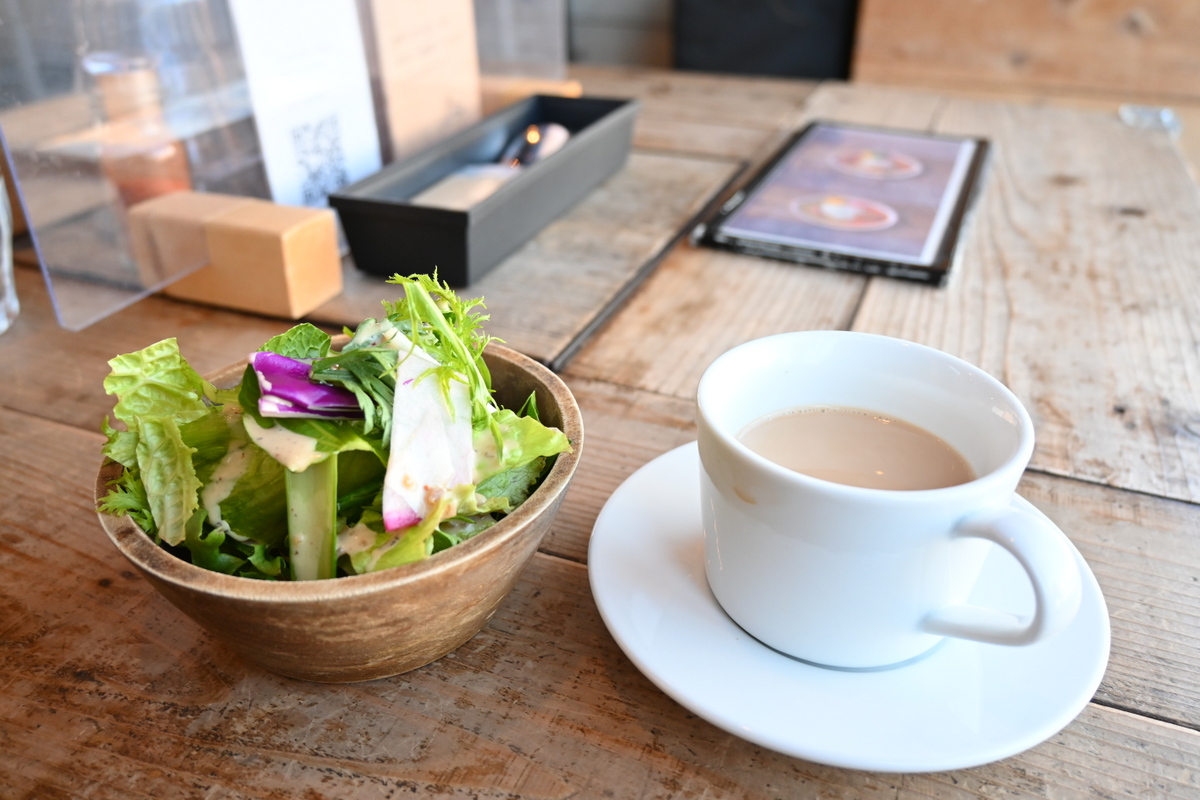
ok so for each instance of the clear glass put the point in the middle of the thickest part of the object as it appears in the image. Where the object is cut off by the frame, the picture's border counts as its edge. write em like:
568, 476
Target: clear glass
108, 103
9, 307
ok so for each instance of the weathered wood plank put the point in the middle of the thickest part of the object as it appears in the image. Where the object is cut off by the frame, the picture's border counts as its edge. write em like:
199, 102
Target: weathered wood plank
1118, 45
53, 373
546, 298
1186, 110
1144, 552
871, 105
1077, 287
702, 138
703, 114
106, 690
701, 302
625, 429
745, 102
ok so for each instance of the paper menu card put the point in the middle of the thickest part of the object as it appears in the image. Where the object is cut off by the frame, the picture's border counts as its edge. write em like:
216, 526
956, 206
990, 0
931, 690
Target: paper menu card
310, 88
426, 64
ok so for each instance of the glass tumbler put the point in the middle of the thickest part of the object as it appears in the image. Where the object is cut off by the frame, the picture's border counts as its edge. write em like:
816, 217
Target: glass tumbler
8, 286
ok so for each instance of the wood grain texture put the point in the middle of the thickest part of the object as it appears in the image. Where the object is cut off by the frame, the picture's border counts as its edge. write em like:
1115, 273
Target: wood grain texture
702, 138
701, 302
703, 114
1186, 110
1077, 287
107, 692
545, 299
744, 102
1189, 139
56, 374
625, 430
1132, 46
1144, 552
894, 107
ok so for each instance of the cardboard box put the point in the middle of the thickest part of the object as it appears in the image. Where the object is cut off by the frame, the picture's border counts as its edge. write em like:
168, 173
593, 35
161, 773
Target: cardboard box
389, 234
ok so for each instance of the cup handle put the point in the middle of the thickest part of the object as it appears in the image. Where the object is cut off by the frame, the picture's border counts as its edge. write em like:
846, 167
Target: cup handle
1049, 560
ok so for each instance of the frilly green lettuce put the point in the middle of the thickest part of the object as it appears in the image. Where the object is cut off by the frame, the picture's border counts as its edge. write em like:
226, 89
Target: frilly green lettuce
208, 474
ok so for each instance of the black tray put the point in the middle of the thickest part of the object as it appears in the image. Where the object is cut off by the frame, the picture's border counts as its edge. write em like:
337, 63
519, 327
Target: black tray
387, 234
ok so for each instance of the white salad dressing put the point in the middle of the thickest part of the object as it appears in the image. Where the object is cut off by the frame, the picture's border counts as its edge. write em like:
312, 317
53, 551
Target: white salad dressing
221, 485
295, 451
355, 539
377, 333
487, 455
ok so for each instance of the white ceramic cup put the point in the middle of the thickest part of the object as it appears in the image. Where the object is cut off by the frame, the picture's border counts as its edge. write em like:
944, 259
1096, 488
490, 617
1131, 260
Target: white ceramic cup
858, 578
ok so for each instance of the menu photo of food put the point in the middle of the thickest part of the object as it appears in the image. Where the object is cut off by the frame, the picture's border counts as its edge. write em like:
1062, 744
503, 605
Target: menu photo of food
844, 213
867, 199
872, 162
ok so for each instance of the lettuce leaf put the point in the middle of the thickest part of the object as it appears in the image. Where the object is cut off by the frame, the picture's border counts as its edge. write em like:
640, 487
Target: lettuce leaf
157, 382
165, 466
205, 548
393, 548
457, 530
514, 441
514, 485
176, 433
255, 508
121, 445
127, 497
304, 341
209, 438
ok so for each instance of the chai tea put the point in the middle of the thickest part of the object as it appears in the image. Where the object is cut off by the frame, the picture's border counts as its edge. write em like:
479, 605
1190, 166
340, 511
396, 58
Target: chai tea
858, 448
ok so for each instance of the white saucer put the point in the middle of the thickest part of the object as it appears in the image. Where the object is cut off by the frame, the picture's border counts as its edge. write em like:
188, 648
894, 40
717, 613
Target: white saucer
965, 704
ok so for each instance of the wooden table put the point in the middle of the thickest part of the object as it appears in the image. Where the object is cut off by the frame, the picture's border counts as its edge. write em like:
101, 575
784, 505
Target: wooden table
1078, 286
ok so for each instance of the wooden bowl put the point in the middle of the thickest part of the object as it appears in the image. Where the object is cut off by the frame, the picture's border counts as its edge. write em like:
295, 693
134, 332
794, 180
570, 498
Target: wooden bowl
371, 626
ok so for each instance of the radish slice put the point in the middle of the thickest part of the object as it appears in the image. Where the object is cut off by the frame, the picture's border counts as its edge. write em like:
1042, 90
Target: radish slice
432, 448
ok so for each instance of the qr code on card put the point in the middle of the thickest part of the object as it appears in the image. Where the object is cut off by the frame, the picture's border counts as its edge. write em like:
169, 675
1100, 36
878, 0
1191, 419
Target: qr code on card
318, 149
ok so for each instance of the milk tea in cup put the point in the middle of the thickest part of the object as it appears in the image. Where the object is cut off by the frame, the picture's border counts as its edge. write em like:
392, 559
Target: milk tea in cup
852, 487
856, 447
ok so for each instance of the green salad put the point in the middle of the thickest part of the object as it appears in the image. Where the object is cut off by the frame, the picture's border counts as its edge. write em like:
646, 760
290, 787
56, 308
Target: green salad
324, 462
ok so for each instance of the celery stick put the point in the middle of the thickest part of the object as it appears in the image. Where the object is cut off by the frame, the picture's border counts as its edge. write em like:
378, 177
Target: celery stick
312, 520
